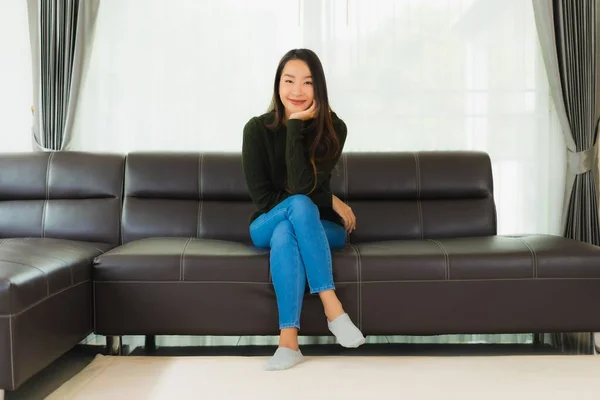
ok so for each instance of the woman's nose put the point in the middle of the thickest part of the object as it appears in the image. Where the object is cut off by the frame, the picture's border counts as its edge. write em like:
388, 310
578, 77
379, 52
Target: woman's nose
297, 89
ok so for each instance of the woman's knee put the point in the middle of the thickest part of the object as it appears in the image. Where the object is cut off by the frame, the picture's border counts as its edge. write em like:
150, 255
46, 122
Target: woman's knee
283, 234
301, 203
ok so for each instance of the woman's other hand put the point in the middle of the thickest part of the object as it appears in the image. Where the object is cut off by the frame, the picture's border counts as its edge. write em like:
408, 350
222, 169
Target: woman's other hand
344, 211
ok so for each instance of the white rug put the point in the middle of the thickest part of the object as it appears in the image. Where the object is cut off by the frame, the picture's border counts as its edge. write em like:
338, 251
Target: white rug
482, 378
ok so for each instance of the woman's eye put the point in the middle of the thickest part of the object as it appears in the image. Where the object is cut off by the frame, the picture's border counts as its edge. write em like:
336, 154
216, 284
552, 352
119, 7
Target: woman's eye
308, 83
288, 81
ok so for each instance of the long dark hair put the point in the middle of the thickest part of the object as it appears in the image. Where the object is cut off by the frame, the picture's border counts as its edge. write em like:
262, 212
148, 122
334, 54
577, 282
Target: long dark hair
325, 139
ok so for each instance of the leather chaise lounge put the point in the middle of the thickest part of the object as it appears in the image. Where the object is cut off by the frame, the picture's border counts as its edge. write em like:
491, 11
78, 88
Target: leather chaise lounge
57, 212
158, 244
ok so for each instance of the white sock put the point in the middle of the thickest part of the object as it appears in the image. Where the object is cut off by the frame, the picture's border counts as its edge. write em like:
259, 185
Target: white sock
345, 331
283, 358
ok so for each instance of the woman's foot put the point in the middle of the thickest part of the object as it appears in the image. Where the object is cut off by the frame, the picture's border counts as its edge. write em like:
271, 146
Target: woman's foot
346, 332
288, 353
284, 358
339, 322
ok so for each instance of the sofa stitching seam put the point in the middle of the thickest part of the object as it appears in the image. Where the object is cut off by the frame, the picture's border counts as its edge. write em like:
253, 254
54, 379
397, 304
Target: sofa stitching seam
533, 256
122, 202
182, 260
42, 300
200, 200
200, 215
70, 270
420, 212
36, 268
482, 280
446, 258
47, 195
12, 361
209, 282
418, 183
358, 286
94, 305
341, 282
345, 177
201, 173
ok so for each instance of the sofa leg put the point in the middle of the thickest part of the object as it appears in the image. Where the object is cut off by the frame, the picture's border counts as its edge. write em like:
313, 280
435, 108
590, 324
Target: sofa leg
114, 345
150, 343
596, 343
538, 339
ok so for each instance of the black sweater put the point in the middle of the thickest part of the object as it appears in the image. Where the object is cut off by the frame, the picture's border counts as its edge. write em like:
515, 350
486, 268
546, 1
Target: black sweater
278, 160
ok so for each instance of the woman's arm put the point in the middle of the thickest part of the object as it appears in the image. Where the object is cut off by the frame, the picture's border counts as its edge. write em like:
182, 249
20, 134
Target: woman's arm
256, 170
300, 176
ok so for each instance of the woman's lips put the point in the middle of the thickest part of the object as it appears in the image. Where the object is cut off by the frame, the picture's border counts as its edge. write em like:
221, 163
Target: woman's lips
297, 102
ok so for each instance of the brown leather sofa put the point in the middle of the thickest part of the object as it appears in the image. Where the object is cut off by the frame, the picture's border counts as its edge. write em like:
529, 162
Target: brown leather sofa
425, 258
57, 212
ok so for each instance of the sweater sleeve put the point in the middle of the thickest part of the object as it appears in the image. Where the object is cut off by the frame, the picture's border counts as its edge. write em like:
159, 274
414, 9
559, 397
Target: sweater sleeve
256, 171
300, 176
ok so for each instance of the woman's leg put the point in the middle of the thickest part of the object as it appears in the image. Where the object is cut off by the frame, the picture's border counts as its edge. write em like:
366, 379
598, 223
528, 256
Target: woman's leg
336, 234
336, 239
300, 248
338, 321
289, 280
273, 230
311, 237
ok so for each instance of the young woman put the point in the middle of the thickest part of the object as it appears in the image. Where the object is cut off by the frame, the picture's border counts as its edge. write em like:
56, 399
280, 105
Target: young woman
288, 155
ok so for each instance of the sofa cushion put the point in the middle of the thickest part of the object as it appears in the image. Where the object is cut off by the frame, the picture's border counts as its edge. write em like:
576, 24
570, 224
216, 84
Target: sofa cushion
196, 259
31, 269
182, 259
183, 195
61, 194
478, 258
418, 195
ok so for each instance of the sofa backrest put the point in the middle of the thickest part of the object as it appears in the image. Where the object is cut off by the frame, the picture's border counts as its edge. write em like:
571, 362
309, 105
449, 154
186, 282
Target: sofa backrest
394, 195
185, 194
422, 195
64, 195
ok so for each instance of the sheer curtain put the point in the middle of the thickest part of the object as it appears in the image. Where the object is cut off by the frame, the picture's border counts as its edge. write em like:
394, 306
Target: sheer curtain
15, 78
403, 74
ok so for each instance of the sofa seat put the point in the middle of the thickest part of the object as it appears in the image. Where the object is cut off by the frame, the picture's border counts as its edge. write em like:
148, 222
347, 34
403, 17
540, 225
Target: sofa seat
478, 258
45, 297
473, 284
175, 278
489, 284
33, 269
173, 259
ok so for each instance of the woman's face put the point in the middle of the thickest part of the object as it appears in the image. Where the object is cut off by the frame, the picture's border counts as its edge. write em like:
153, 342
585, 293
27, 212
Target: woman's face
296, 87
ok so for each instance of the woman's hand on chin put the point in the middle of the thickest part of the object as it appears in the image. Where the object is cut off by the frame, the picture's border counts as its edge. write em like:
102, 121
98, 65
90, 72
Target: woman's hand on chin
309, 113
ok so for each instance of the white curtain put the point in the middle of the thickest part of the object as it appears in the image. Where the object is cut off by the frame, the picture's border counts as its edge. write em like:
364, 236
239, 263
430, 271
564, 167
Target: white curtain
405, 75
15, 78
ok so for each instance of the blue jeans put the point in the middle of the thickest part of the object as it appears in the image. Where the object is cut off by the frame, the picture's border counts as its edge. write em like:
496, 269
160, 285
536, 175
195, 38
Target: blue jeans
300, 244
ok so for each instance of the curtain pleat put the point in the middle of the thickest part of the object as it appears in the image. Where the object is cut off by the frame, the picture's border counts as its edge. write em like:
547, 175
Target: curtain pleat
65, 29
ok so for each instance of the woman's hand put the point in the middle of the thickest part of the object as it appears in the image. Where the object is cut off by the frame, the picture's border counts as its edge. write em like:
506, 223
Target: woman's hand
344, 211
309, 113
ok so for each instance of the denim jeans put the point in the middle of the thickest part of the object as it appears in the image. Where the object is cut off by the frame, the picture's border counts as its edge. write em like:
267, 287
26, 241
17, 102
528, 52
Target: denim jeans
300, 244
